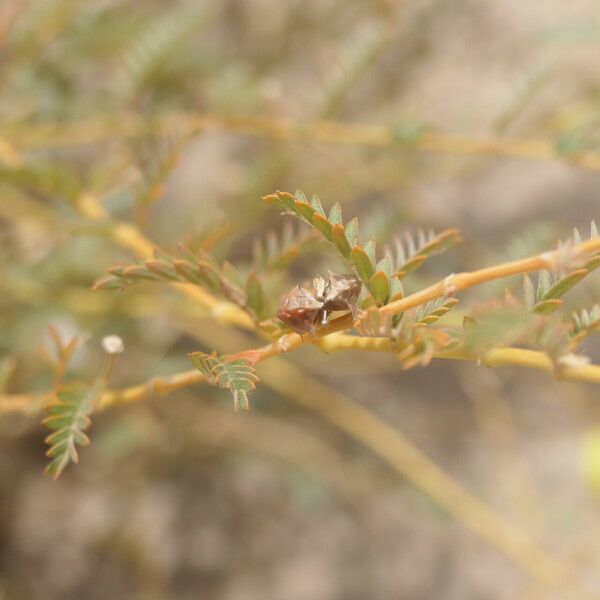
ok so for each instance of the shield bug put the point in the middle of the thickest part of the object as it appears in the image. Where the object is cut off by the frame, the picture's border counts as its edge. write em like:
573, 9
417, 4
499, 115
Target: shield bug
300, 311
340, 292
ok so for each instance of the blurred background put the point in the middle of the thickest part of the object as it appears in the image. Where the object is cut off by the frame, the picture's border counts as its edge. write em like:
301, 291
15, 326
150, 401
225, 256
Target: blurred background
169, 113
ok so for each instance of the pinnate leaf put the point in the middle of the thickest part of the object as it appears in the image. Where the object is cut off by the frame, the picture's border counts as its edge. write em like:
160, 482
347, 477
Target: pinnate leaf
236, 375
68, 418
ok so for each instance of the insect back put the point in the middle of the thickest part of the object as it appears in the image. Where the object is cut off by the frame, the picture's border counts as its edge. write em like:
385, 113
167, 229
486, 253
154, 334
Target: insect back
305, 312
300, 310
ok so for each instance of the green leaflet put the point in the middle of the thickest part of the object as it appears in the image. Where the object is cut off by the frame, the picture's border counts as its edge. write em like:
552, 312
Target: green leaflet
323, 225
564, 284
369, 249
379, 285
435, 310
335, 214
315, 202
545, 307
148, 54
352, 231
304, 210
362, 263
340, 240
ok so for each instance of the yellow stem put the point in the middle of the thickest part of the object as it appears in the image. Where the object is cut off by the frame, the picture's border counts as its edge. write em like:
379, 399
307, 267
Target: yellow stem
160, 386
461, 281
130, 237
496, 357
328, 132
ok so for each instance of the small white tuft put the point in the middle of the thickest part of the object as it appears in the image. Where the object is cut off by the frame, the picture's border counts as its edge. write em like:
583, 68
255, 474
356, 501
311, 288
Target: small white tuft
548, 259
113, 344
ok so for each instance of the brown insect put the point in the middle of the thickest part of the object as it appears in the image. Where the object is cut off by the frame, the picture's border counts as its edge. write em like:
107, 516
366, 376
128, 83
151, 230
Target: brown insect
305, 313
340, 292
300, 311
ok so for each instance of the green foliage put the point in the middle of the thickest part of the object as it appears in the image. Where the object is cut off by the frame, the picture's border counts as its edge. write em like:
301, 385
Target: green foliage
234, 374
410, 254
41, 180
69, 418
415, 343
74, 68
359, 53
275, 253
499, 324
433, 311
546, 297
409, 326
147, 56
381, 278
245, 287
509, 324
157, 159
198, 269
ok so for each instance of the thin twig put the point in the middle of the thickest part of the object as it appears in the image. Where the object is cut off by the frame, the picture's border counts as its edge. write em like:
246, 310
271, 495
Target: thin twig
326, 132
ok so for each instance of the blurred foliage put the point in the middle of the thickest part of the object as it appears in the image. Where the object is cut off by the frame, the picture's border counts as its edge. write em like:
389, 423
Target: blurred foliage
143, 106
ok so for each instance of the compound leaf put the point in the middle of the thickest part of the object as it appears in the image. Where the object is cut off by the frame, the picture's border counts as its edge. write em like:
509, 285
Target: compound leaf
69, 418
236, 375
